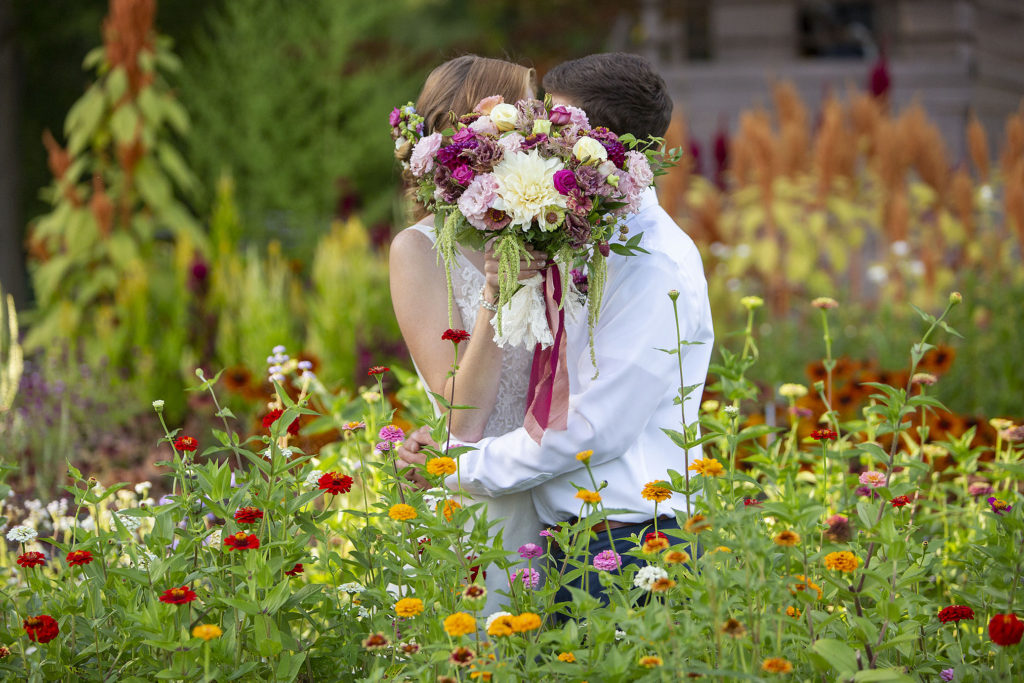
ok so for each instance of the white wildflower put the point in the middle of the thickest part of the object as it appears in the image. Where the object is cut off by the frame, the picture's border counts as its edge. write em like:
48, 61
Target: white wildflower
363, 612
352, 587
143, 487
494, 617
22, 534
647, 576
313, 477
731, 410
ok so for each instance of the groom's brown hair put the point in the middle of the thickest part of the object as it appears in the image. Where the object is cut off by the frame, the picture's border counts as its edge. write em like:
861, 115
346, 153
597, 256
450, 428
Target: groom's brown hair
618, 90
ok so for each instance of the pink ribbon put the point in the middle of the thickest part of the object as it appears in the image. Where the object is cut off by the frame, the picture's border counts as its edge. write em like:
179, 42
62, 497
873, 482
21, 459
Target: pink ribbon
547, 399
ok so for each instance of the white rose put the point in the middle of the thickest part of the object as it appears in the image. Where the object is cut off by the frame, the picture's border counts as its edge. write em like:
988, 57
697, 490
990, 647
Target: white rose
588, 149
504, 116
542, 126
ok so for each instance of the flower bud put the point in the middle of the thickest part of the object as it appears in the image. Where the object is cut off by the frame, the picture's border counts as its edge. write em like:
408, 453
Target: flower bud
955, 298
673, 294
158, 405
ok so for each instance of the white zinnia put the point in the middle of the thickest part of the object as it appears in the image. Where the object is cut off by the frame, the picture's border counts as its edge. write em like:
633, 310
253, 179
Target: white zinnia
493, 618
526, 186
647, 576
352, 587
22, 534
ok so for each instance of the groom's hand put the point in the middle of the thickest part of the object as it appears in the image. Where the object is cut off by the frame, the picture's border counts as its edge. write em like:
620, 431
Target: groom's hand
411, 453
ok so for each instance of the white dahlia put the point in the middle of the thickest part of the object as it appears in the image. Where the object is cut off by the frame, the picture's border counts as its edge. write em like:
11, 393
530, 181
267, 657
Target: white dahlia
526, 186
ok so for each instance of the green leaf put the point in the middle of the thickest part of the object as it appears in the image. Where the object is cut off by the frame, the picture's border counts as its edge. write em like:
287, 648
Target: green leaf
837, 653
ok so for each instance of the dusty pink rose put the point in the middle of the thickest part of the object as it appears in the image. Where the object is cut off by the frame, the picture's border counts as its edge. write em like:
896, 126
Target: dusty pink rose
484, 125
560, 116
477, 198
485, 105
422, 159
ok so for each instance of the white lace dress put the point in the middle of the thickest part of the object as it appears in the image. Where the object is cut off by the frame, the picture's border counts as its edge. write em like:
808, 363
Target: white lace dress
515, 513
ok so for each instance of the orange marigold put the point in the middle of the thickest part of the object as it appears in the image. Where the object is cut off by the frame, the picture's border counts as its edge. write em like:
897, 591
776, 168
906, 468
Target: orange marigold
776, 665
656, 491
805, 585
709, 467
459, 624
590, 497
527, 621
566, 657
448, 508
442, 465
793, 612
651, 661
408, 607
843, 561
697, 524
402, 512
501, 626
677, 557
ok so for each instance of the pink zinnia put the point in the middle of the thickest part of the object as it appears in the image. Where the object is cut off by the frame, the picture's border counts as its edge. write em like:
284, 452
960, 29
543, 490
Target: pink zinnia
391, 433
607, 561
872, 478
546, 533
529, 551
529, 577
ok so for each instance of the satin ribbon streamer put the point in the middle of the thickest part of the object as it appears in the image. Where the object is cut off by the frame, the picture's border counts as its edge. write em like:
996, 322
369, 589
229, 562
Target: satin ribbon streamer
547, 399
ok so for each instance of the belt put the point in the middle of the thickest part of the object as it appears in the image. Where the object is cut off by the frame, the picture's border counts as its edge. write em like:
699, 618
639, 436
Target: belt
606, 524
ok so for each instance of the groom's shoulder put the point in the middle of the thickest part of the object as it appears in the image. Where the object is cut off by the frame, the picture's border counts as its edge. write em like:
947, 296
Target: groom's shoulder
661, 235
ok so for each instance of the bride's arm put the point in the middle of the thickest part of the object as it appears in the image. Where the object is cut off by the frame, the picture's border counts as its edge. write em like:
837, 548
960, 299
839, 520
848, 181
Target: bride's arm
419, 295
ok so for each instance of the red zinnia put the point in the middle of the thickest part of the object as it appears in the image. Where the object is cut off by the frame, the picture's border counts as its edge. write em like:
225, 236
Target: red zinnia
653, 535
178, 596
900, 501
272, 417
42, 628
186, 443
248, 515
750, 501
955, 613
31, 559
77, 558
823, 435
242, 541
377, 370
335, 482
295, 571
1005, 629
455, 336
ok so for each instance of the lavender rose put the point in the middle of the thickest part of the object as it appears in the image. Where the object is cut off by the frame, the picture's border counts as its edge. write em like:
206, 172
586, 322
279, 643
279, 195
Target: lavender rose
565, 181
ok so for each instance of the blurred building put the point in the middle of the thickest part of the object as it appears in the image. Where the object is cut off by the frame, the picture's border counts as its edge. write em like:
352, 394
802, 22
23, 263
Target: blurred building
719, 57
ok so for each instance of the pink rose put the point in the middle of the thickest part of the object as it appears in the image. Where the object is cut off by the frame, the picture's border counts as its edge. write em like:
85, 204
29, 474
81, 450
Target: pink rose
422, 159
577, 116
560, 116
485, 105
565, 181
484, 126
477, 199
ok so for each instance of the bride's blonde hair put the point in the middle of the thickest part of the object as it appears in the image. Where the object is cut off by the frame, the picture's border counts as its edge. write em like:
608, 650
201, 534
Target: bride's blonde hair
457, 86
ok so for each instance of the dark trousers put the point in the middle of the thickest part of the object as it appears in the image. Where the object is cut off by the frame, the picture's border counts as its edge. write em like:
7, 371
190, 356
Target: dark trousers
622, 544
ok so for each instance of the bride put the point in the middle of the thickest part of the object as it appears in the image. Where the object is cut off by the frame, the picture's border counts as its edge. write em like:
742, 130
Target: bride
489, 378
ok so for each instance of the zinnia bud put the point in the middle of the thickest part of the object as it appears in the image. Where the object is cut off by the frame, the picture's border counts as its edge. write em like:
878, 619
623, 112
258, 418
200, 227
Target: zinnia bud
955, 298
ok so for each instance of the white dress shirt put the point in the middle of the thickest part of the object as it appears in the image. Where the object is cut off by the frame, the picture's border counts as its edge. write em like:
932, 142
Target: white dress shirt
620, 414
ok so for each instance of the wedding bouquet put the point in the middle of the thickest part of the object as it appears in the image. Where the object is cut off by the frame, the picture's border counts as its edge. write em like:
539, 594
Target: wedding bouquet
529, 175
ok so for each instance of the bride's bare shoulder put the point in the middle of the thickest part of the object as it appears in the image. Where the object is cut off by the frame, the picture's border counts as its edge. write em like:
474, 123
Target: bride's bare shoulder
412, 249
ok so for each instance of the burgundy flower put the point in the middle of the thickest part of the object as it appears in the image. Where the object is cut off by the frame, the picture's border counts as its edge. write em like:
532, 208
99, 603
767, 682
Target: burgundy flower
242, 541
955, 613
77, 558
455, 336
564, 181
616, 152
186, 443
900, 501
43, 628
248, 515
335, 482
178, 596
823, 435
31, 559
559, 116
377, 370
1005, 629
295, 571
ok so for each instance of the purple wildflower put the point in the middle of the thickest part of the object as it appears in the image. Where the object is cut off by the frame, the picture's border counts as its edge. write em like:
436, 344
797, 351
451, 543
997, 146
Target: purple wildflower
999, 506
947, 675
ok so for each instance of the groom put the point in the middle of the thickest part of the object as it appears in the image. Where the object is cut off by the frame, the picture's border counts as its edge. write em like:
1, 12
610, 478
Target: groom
618, 415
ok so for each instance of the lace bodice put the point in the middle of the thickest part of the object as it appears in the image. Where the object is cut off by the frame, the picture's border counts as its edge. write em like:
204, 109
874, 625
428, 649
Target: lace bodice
510, 407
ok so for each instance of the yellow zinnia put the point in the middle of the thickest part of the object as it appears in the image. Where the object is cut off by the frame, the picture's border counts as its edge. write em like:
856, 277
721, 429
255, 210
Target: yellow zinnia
697, 524
448, 508
677, 557
439, 466
527, 621
501, 626
843, 561
400, 512
591, 497
656, 491
787, 538
709, 467
459, 624
651, 661
566, 657
584, 456
207, 631
408, 607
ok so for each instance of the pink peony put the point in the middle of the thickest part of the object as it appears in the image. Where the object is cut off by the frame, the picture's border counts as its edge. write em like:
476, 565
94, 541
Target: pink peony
485, 105
422, 159
477, 198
